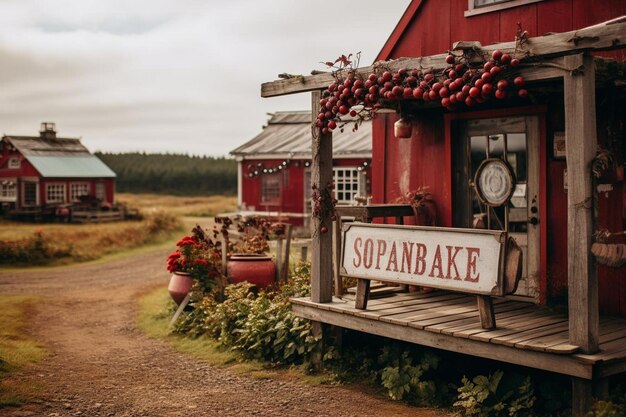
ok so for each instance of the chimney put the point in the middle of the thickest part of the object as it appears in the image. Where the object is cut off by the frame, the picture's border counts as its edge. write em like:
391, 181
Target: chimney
48, 131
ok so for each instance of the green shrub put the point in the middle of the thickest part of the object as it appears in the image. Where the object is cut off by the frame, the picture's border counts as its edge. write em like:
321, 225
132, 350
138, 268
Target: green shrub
402, 374
260, 326
491, 396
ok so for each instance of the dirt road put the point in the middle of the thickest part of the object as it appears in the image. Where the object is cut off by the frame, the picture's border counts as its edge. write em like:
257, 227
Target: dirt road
101, 365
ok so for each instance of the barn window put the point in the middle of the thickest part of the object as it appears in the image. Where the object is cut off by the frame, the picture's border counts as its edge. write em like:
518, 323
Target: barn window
270, 189
347, 184
8, 191
14, 163
78, 190
475, 7
55, 193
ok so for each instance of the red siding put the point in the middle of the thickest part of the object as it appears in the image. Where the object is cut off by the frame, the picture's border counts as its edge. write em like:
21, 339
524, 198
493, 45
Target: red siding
435, 26
293, 187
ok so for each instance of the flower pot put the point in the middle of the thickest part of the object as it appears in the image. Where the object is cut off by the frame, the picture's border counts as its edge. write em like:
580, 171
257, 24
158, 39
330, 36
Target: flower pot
255, 269
179, 286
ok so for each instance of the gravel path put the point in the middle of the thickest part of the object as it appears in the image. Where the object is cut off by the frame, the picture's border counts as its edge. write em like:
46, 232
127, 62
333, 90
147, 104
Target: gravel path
101, 365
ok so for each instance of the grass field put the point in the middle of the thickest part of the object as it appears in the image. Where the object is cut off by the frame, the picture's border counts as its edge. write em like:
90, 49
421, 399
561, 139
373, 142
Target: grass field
17, 349
165, 219
180, 205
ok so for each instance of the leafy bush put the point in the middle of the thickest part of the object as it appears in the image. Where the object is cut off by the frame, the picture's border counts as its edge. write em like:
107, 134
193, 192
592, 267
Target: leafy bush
491, 396
260, 326
402, 375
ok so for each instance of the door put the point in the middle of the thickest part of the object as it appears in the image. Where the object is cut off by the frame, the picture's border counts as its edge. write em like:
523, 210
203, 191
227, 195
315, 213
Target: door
514, 140
30, 191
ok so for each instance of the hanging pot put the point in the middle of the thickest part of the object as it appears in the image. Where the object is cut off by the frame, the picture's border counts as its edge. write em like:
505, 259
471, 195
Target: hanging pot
403, 128
255, 269
179, 286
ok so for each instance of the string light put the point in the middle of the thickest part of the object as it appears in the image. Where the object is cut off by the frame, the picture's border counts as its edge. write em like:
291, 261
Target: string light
259, 168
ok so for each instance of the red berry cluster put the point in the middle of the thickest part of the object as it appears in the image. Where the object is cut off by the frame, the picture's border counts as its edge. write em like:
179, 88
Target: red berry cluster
460, 83
323, 204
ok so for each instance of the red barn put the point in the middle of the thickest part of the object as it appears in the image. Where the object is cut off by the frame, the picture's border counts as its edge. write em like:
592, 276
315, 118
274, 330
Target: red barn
533, 151
274, 174
39, 173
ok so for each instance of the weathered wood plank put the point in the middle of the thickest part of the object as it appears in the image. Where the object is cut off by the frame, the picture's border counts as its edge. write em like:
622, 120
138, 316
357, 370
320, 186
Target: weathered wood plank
594, 38
511, 340
321, 243
580, 136
563, 364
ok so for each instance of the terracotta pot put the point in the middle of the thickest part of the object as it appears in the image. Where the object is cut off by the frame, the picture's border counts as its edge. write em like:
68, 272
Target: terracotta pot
180, 284
255, 269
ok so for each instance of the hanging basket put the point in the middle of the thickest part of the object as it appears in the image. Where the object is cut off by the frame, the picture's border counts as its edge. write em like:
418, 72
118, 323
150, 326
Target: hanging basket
609, 254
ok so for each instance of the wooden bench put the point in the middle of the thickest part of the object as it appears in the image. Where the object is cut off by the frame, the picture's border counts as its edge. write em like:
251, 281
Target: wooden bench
482, 262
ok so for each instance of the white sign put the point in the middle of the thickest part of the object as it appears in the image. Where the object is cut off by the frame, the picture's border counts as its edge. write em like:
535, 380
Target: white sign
466, 260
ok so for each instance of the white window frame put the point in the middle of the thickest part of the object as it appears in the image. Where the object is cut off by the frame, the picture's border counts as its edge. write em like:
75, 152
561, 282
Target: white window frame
14, 163
74, 196
8, 190
473, 10
353, 180
271, 188
60, 193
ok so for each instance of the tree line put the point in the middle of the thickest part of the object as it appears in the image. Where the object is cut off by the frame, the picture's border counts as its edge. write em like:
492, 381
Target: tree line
176, 174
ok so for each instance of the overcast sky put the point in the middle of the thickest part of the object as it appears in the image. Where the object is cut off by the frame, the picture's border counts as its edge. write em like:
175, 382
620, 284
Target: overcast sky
170, 75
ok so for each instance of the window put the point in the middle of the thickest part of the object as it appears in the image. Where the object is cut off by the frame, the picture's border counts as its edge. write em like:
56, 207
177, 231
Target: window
270, 189
347, 184
77, 190
8, 191
14, 163
475, 7
55, 193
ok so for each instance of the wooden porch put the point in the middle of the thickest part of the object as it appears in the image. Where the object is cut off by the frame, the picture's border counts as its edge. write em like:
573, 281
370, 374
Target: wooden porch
526, 334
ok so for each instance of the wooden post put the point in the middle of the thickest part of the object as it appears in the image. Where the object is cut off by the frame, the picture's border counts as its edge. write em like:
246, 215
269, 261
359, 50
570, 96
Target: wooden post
304, 253
581, 144
284, 274
317, 355
581, 397
321, 243
486, 312
337, 258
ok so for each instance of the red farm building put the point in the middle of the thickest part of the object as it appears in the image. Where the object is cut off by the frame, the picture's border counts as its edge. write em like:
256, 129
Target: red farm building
274, 168
39, 174
517, 131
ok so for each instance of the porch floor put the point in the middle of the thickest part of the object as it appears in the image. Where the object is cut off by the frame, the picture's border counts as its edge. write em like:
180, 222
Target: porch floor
526, 334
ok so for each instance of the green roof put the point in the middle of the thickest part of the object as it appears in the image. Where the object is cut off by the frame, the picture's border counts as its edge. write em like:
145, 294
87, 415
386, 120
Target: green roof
84, 166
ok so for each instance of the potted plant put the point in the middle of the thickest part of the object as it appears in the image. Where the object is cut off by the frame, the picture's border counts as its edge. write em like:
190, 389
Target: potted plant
197, 260
422, 204
247, 254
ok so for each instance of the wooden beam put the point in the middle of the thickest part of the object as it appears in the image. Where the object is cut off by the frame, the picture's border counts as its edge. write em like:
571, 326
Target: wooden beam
605, 36
581, 143
562, 364
321, 243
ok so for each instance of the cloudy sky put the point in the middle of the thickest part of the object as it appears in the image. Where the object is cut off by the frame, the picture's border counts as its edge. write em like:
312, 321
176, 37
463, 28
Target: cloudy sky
170, 75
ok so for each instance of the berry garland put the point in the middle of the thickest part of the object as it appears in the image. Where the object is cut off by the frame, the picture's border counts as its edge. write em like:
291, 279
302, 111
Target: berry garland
323, 204
463, 82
